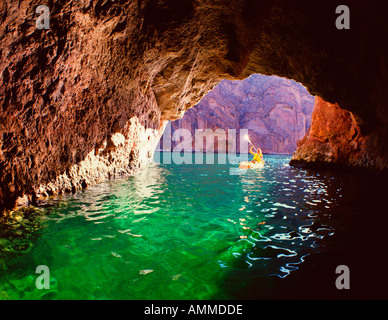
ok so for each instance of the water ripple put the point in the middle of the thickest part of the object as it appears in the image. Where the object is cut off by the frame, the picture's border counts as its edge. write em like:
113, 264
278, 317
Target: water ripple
173, 232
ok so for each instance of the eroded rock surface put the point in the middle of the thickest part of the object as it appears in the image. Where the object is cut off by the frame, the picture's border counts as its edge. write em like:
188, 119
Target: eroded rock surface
335, 139
275, 111
64, 92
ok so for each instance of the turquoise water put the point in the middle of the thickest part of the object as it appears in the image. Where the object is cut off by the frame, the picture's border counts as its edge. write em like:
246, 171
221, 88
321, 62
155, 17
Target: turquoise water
175, 232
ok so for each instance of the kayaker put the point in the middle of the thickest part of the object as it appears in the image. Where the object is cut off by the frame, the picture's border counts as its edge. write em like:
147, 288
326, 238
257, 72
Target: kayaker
257, 156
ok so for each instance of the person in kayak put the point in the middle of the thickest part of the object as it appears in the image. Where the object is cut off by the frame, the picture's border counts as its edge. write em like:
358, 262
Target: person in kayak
257, 156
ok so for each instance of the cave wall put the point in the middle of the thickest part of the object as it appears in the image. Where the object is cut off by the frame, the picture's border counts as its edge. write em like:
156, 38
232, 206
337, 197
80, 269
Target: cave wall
335, 140
104, 65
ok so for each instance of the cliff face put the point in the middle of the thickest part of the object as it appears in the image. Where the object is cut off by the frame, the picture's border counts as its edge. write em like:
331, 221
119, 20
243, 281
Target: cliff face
275, 111
335, 139
76, 98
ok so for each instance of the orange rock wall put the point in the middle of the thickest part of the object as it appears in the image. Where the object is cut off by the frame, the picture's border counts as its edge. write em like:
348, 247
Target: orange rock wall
335, 138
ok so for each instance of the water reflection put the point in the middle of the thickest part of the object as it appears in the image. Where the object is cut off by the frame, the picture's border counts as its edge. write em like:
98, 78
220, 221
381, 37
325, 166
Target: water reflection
281, 224
178, 232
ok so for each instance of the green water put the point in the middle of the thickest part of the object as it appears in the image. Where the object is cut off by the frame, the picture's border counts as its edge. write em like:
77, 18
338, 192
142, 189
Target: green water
170, 232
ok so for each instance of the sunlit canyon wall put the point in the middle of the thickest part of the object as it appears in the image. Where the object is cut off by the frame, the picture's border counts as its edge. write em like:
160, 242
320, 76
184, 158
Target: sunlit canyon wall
275, 111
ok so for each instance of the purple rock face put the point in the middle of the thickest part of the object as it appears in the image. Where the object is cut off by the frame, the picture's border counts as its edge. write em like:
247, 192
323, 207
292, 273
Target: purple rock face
276, 111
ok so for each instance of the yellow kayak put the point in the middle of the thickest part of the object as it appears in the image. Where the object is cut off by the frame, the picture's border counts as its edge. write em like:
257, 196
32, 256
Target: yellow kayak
250, 165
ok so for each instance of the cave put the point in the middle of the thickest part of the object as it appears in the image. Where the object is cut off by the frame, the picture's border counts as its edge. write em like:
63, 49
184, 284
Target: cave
87, 99
114, 68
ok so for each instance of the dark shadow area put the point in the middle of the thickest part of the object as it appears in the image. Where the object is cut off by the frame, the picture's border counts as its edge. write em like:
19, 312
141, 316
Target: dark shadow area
359, 219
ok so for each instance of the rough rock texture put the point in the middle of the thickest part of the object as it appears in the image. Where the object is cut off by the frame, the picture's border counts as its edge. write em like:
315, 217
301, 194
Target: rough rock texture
66, 91
276, 111
335, 139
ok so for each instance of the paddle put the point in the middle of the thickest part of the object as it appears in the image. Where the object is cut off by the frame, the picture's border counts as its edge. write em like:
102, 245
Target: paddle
247, 138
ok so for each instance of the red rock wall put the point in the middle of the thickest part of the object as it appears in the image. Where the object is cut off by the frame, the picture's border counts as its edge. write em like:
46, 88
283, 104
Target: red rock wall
335, 139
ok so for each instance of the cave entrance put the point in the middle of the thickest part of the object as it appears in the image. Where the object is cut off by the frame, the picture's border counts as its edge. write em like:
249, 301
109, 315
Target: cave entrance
275, 112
